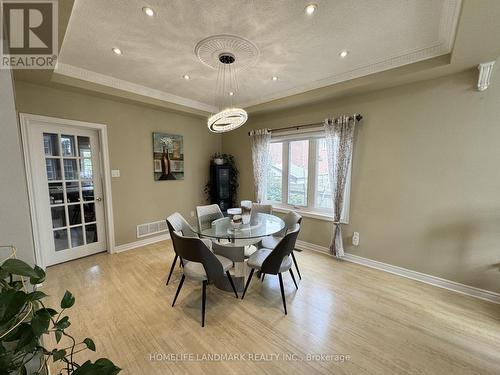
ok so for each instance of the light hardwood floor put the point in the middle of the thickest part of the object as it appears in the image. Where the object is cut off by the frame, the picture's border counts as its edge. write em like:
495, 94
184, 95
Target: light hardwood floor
384, 323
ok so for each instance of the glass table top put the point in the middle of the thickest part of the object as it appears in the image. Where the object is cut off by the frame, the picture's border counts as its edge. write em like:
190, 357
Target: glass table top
260, 225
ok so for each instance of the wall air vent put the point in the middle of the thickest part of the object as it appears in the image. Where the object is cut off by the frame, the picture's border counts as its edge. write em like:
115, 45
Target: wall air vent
149, 229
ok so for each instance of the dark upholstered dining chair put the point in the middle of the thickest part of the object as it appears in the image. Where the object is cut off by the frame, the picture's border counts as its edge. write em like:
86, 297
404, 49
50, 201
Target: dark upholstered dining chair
270, 242
178, 224
276, 261
200, 264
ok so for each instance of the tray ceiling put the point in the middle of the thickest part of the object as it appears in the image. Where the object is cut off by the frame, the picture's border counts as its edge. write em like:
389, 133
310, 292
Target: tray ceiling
302, 51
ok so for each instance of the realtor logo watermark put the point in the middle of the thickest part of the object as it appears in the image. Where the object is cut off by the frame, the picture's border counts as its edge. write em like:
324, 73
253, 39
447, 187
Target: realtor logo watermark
29, 34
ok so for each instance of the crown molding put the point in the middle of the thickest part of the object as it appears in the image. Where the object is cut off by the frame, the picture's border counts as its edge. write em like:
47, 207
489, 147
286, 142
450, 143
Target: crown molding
435, 50
449, 23
442, 46
119, 84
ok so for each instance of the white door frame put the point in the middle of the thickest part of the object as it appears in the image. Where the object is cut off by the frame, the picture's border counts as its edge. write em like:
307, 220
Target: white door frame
25, 119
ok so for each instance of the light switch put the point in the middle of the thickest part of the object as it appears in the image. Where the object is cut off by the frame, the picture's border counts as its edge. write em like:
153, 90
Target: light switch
115, 173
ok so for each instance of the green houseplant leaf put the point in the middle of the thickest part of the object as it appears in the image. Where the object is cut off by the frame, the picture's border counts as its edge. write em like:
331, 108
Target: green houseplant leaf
57, 355
20, 268
58, 335
67, 301
40, 278
40, 323
36, 295
12, 303
63, 323
102, 366
90, 344
24, 319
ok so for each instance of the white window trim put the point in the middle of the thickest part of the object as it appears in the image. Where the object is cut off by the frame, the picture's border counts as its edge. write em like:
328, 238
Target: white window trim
309, 211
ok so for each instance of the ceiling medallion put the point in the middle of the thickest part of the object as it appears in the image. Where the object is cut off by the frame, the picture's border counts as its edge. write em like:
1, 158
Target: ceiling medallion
228, 54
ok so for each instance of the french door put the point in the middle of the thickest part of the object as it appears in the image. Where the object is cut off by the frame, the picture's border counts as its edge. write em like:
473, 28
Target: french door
67, 190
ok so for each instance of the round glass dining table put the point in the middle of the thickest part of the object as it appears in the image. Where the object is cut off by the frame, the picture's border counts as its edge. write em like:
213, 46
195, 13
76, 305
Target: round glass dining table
233, 243
260, 225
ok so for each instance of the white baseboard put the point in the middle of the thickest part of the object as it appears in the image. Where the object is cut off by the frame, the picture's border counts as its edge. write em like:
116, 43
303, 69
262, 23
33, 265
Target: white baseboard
303, 245
140, 243
410, 274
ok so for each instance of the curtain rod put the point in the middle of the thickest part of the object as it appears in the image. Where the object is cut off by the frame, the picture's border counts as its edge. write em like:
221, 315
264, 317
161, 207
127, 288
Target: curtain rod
314, 124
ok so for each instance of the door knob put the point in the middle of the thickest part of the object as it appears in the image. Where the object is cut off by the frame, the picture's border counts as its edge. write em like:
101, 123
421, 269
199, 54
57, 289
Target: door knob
98, 199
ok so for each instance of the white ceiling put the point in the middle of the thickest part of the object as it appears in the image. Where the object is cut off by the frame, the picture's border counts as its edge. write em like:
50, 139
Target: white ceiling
302, 51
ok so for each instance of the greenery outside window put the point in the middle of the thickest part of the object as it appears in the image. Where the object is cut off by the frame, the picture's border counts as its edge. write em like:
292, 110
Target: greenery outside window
298, 176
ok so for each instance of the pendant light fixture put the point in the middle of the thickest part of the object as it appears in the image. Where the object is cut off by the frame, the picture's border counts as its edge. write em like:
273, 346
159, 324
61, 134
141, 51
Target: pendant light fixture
228, 54
229, 117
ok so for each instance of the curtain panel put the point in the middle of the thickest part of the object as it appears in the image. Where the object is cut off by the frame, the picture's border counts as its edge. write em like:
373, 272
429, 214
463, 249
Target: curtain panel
339, 133
260, 140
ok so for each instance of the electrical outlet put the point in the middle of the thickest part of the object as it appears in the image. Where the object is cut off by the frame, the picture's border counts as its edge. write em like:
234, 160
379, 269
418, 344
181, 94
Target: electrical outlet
192, 213
355, 239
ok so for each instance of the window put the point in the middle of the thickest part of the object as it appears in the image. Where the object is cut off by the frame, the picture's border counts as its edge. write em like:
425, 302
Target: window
298, 166
298, 176
274, 189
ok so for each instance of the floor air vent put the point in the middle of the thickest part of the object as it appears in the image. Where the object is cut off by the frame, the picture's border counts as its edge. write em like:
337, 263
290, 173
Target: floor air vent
148, 229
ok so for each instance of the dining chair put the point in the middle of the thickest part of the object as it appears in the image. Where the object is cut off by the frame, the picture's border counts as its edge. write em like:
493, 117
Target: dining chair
261, 208
270, 242
201, 265
178, 224
206, 214
257, 208
275, 262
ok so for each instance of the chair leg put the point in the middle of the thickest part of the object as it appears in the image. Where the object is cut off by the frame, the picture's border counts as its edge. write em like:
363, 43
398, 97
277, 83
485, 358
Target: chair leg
248, 283
172, 268
293, 278
296, 265
232, 284
178, 289
282, 291
203, 300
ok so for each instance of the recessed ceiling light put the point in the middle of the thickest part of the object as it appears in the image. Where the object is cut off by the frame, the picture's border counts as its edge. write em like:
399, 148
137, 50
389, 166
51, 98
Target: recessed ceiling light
117, 51
344, 53
274, 78
231, 93
310, 9
186, 77
149, 11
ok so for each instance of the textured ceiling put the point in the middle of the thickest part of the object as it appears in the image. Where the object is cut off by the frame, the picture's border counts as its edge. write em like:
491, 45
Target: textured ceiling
302, 51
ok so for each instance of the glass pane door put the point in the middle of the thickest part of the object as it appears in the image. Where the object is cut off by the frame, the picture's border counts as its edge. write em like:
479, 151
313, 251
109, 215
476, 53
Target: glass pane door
69, 170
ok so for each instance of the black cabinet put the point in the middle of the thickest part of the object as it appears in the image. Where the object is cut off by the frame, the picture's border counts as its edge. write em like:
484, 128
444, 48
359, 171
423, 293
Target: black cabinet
220, 186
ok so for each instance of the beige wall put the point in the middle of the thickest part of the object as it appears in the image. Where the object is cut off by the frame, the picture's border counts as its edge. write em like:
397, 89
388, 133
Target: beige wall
426, 176
137, 198
15, 220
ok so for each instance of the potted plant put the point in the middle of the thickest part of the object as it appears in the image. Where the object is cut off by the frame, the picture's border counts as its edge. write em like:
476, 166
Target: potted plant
218, 159
24, 320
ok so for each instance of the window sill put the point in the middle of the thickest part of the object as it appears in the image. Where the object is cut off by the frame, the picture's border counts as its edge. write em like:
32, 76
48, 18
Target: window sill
313, 215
